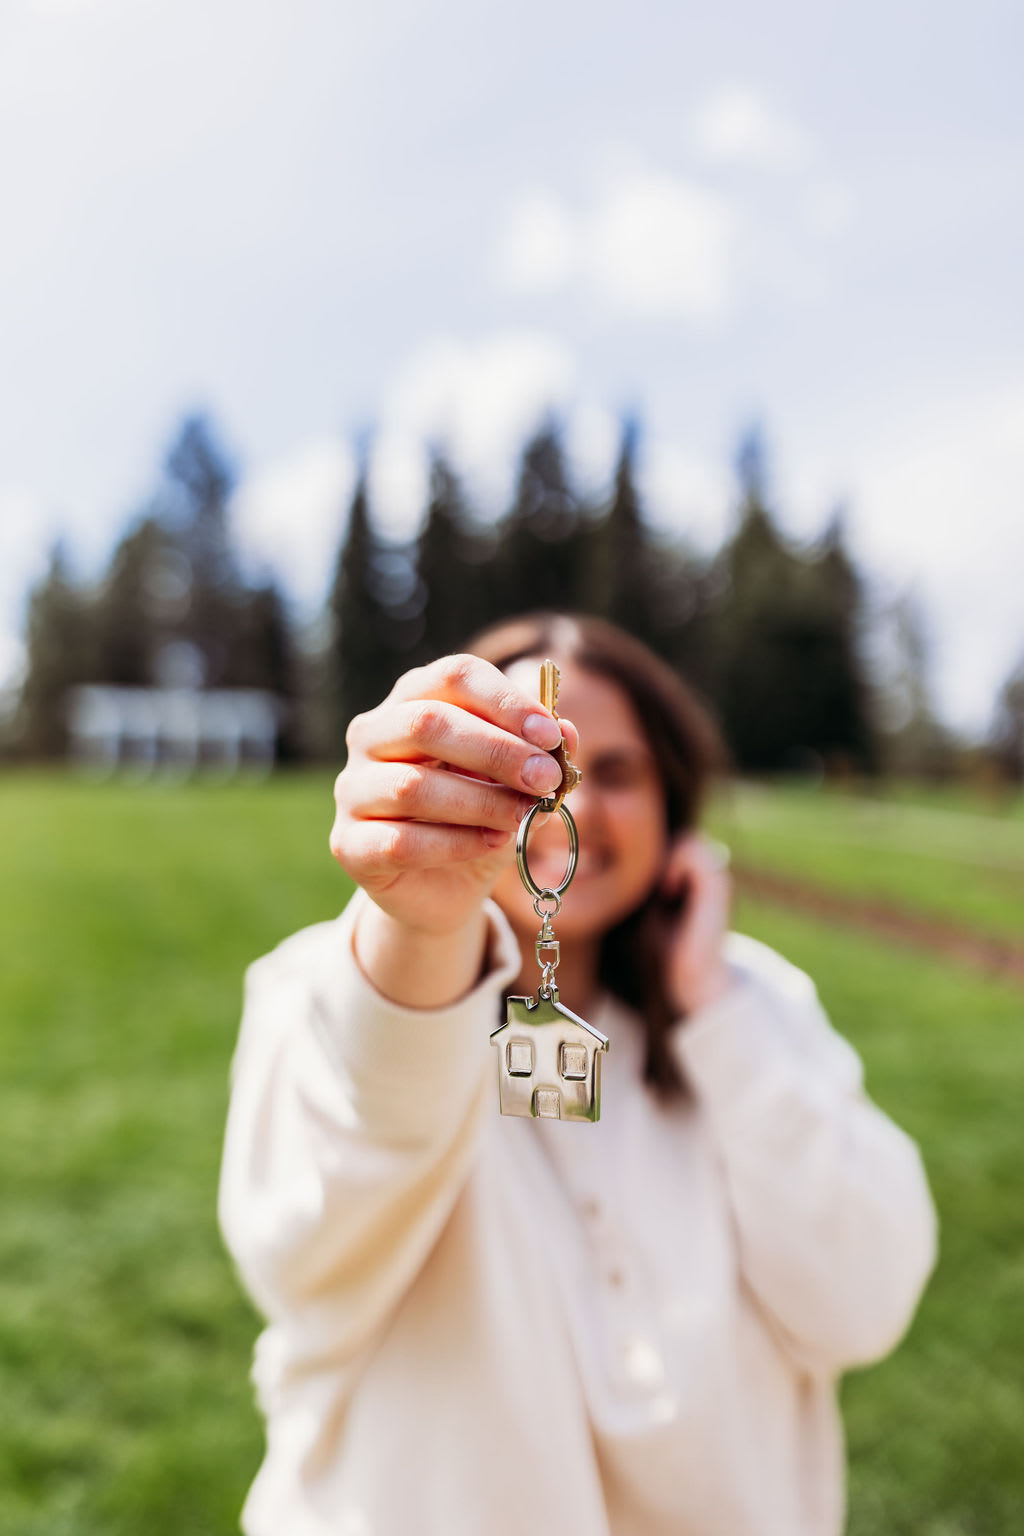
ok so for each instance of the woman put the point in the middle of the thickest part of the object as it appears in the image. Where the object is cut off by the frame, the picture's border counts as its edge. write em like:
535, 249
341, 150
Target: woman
487, 1326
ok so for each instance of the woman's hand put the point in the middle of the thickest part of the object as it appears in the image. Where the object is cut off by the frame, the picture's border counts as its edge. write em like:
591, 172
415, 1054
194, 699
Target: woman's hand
697, 878
438, 778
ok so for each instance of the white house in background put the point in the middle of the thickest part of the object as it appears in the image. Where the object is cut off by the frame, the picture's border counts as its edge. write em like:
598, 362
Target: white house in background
172, 731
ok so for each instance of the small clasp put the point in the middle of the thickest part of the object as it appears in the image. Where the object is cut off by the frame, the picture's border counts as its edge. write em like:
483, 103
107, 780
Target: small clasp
548, 951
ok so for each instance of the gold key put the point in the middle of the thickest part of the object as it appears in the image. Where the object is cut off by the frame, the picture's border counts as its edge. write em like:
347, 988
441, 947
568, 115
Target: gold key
571, 775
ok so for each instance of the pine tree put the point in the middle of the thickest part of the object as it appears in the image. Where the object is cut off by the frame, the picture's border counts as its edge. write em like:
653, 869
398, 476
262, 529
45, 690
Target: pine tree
142, 602
193, 505
840, 715
753, 686
1007, 737
197, 489
621, 568
913, 743
448, 573
58, 643
172, 605
269, 660
543, 548
362, 657
267, 657
650, 586
791, 687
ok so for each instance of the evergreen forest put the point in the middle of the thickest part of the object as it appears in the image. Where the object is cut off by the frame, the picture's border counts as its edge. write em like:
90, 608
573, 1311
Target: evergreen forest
776, 638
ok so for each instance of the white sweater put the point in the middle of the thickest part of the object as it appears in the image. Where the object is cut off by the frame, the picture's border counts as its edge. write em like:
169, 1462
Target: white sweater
490, 1326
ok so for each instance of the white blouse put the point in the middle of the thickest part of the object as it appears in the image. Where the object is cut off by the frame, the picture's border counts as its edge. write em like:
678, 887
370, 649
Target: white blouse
486, 1326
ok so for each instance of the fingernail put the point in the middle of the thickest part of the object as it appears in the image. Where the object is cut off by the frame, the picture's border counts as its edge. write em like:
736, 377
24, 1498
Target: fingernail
542, 773
523, 808
494, 838
541, 731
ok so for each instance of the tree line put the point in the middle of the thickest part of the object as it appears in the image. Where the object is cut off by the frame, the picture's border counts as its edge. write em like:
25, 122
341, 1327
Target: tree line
772, 635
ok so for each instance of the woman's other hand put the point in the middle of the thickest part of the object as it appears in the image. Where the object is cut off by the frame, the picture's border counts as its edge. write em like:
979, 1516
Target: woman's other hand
438, 778
697, 890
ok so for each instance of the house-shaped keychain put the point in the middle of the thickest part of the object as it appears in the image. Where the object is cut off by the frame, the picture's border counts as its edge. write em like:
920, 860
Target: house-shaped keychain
549, 1060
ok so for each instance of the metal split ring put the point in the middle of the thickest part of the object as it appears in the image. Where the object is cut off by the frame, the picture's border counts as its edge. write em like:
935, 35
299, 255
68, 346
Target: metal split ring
546, 893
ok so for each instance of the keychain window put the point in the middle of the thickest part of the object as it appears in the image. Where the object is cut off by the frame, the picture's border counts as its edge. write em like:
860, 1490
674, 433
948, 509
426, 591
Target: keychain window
572, 1061
519, 1056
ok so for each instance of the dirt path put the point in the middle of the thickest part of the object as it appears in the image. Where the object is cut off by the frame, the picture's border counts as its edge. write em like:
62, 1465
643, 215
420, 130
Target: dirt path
979, 951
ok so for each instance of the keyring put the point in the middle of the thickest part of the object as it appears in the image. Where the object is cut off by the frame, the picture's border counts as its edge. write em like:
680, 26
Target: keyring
537, 892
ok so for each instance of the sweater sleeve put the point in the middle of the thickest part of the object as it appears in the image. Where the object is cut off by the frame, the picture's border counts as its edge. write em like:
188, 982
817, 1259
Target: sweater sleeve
352, 1126
835, 1224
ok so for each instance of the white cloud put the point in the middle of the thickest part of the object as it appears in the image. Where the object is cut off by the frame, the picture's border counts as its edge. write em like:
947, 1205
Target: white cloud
290, 515
593, 435
829, 208
939, 504
648, 244
480, 399
662, 246
399, 479
685, 494
735, 125
537, 249
934, 509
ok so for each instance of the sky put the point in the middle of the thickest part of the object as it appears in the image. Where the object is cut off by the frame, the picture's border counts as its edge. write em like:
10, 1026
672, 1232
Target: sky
441, 221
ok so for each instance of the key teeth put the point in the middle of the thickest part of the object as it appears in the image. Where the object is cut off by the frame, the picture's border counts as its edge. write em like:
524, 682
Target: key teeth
549, 679
571, 775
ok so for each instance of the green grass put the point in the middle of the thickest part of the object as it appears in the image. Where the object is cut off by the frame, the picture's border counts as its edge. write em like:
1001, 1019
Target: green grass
126, 918
935, 1431
952, 859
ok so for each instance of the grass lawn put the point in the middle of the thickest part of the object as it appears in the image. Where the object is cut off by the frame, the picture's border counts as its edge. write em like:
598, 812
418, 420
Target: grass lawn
943, 857
935, 1432
126, 918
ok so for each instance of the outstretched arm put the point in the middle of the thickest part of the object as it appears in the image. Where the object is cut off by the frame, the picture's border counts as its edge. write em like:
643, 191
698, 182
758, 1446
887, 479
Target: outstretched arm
352, 1127
438, 777
353, 1113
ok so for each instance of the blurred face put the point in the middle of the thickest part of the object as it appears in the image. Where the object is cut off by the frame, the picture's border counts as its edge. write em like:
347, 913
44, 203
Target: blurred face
618, 809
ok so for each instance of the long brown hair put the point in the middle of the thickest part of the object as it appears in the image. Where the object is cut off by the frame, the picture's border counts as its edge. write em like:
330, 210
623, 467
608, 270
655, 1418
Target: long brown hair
687, 750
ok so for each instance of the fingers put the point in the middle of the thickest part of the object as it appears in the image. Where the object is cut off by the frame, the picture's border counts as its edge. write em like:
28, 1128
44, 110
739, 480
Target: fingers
696, 861
375, 852
479, 687
433, 730
398, 807
421, 792
697, 972
570, 735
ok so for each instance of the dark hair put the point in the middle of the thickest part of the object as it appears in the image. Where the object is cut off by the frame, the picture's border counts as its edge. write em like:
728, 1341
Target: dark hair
687, 750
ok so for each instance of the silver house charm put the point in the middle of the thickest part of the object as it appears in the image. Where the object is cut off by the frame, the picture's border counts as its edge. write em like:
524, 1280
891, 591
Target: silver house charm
549, 1060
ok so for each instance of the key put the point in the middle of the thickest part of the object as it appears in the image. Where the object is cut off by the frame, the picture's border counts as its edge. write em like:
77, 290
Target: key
571, 775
